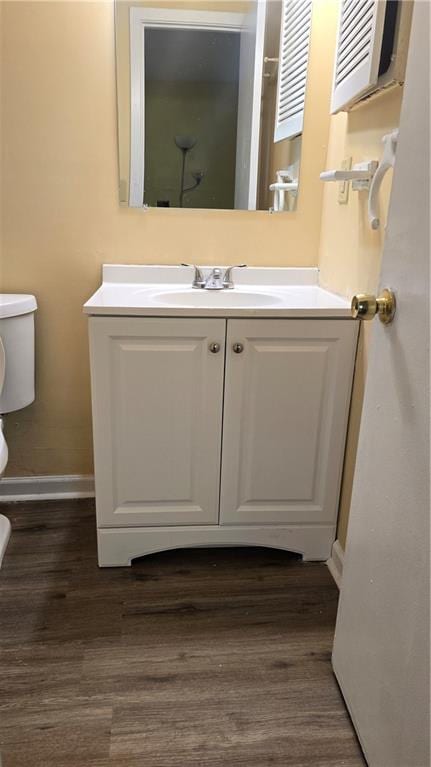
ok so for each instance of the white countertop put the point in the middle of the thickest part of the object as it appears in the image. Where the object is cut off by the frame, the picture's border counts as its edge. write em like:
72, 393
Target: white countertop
165, 291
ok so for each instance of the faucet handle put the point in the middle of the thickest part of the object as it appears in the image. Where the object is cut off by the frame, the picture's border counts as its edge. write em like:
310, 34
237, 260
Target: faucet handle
227, 279
198, 279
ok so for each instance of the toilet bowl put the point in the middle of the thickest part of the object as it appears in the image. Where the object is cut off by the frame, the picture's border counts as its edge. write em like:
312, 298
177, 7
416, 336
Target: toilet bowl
16, 372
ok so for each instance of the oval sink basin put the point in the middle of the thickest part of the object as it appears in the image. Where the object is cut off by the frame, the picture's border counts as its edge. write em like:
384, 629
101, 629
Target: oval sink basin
216, 298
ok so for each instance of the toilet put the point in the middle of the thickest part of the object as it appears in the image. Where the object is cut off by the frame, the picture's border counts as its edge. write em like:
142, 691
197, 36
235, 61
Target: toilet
16, 371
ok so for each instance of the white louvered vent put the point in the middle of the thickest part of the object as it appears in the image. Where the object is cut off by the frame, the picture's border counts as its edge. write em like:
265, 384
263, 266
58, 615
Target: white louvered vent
292, 69
359, 43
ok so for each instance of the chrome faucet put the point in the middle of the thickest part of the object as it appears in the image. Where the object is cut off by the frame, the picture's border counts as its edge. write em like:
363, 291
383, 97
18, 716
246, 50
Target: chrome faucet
215, 280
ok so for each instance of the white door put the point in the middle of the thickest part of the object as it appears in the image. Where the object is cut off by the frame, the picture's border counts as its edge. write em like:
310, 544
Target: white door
249, 106
287, 395
157, 412
381, 651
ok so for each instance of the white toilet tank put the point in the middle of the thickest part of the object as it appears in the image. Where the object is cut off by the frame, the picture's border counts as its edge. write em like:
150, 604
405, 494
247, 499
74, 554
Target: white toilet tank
16, 351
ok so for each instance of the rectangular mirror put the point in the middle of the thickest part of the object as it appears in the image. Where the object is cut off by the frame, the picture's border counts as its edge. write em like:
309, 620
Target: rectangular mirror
211, 102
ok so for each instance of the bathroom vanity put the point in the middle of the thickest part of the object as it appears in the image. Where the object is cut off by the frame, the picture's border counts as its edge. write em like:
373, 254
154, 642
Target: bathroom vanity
219, 416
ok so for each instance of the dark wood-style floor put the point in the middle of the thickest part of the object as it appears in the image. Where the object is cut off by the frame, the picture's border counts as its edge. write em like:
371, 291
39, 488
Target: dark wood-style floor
208, 658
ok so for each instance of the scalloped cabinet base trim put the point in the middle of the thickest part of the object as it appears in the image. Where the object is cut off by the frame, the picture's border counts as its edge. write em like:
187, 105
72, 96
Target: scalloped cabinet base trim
117, 547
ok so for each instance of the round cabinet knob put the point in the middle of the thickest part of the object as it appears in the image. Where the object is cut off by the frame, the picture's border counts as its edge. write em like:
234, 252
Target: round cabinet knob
238, 348
365, 307
214, 347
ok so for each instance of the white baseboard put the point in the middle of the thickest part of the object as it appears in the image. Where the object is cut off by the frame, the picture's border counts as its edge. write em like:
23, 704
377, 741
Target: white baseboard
336, 562
46, 487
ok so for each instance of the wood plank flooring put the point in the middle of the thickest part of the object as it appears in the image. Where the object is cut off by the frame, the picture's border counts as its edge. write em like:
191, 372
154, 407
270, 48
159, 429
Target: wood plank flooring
197, 658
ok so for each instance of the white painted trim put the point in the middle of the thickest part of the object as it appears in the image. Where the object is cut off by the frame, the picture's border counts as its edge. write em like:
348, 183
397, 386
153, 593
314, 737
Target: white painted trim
159, 17
183, 18
336, 562
137, 111
257, 105
117, 546
5, 529
39, 488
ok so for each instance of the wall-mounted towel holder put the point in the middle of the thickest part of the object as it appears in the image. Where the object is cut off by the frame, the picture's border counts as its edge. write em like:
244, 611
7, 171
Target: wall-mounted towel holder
369, 175
285, 183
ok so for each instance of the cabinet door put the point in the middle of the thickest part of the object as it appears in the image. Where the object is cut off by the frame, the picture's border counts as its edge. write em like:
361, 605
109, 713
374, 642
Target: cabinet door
157, 394
287, 398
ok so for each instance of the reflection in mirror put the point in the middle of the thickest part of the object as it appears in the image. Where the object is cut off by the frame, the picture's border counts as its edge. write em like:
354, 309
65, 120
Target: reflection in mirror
191, 107
279, 157
207, 104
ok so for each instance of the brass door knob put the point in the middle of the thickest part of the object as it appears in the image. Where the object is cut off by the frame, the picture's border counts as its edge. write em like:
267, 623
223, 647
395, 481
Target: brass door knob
365, 307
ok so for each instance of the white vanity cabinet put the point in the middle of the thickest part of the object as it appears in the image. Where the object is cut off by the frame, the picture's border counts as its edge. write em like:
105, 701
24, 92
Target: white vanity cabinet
213, 431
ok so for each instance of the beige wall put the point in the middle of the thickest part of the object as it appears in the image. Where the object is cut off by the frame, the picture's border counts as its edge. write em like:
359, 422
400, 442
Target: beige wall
61, 218
350, 251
